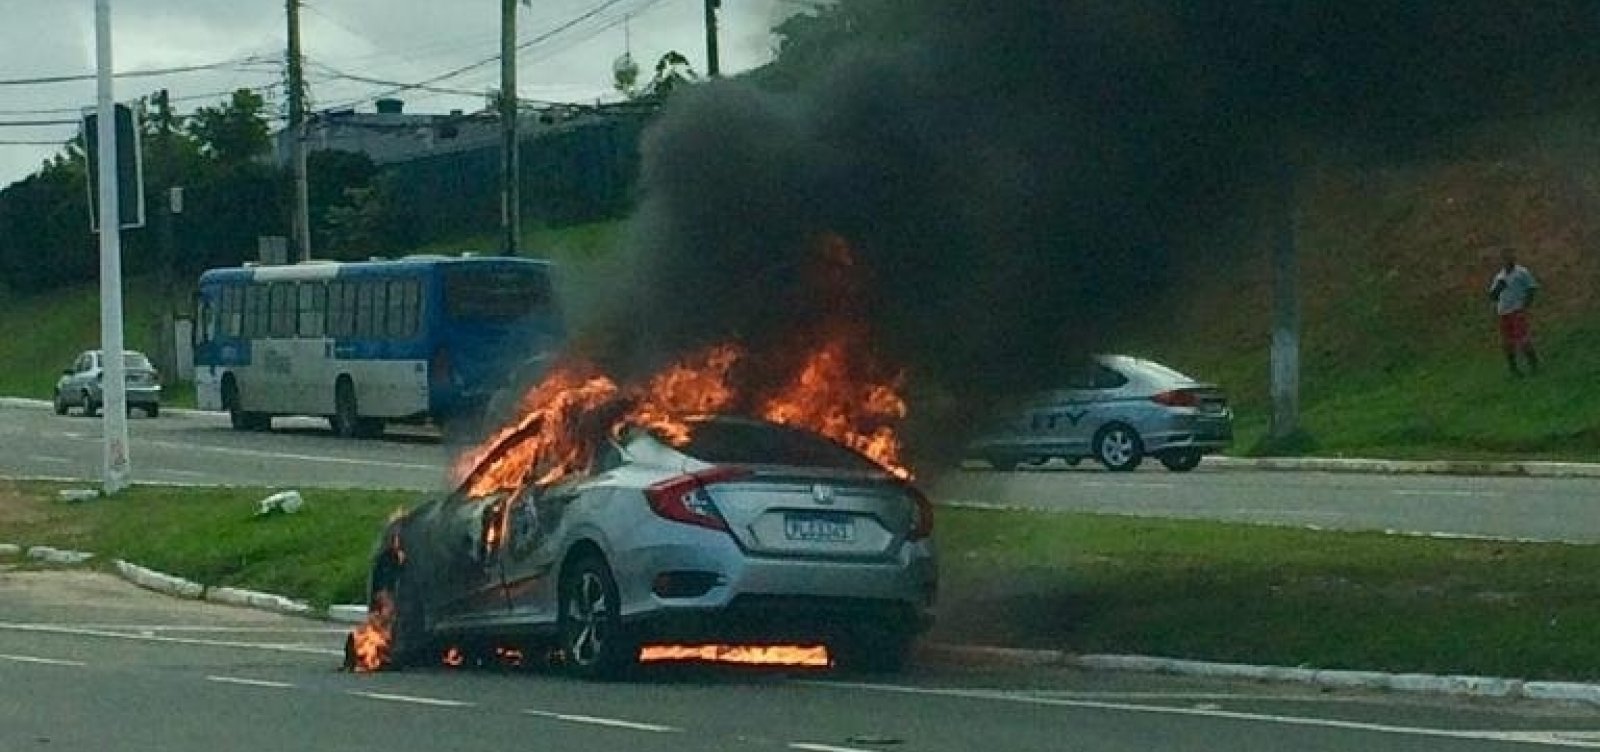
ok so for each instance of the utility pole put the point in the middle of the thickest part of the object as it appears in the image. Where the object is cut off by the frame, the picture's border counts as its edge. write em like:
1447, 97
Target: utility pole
510, 161
116, 466
713, 66
1285, 313
301, 222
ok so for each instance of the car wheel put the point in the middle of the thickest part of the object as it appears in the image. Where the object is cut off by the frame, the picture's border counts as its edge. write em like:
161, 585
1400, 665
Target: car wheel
1118, 447
345, 420
89, 406
593, 643
874, 650
60, 404
1181, 460
1072, 461
152, 410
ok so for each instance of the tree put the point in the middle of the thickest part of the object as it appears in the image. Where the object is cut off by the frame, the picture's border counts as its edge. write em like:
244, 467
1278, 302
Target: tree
234, 132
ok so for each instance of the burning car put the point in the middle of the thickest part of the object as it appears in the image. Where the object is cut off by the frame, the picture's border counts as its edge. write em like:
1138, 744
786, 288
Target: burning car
615, 525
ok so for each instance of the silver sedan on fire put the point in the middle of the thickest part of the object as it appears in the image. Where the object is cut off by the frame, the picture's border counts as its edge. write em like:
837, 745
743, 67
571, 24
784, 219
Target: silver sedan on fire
744, 532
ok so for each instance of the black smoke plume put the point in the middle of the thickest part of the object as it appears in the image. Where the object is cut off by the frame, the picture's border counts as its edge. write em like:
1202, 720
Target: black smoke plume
1014, 177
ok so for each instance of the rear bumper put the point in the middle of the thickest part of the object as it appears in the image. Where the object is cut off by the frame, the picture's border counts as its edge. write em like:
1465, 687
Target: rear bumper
136, 395
775, 598
1208, 434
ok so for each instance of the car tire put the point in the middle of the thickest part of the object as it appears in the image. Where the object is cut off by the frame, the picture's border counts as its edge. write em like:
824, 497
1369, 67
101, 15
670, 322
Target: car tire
89, 406
1181, 460
60, 404
1072, 461
152, 410
873, 650
593, 642
1118, 447
345, 421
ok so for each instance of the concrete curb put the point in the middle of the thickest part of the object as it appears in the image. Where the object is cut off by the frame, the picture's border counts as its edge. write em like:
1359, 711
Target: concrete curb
29, 402
1532, 469
974, 655
150, 579
1456, 685
51, 555
347, 613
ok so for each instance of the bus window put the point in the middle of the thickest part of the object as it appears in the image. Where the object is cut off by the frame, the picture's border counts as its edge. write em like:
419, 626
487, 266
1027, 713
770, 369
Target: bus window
341, 309
282, 299
495, 294
232, 311
255, 310
364, 309
313, 308
402, 308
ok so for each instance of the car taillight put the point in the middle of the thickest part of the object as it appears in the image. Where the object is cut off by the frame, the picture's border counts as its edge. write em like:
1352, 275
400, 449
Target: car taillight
1177, 398
684, 499
921, 515
439, 368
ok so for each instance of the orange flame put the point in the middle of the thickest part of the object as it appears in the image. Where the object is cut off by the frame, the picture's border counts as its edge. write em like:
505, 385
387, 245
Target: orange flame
835, 389
369, 643
814, 656
453, 657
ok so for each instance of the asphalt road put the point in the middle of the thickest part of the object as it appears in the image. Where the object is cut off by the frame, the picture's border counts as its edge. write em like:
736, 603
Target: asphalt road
89, 663
193, 447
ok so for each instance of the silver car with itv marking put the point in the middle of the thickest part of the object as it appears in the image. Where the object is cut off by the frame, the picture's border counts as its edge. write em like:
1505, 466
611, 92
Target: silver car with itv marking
749, 533
80, 384
1117, 409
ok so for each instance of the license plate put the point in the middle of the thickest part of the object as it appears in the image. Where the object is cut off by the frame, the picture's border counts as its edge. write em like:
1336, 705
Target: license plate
819, 528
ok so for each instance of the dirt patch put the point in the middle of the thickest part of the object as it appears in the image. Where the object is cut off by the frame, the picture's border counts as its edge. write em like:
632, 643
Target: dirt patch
28, 511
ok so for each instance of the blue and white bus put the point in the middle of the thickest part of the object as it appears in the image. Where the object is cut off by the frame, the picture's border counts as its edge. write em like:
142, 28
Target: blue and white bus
417, 339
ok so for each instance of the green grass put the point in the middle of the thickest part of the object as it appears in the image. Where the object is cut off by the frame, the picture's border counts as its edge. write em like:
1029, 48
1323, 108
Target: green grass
1084, 583
1272, 595
211, 535
45, 332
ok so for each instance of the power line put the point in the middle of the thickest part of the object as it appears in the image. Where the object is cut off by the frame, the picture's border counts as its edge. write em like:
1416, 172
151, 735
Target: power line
253, 59
452, 73
185, 98
34, 123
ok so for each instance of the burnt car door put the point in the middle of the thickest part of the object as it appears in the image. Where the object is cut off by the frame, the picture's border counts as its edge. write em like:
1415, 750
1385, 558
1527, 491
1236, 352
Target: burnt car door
534, 542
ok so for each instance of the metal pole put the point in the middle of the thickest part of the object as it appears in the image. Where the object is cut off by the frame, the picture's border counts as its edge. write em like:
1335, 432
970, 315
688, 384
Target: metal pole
1285, 315
713, 66
116, 466
510, 160
297, 135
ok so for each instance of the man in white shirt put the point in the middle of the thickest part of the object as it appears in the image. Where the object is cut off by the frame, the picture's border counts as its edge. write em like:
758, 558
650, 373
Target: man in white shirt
1512, 290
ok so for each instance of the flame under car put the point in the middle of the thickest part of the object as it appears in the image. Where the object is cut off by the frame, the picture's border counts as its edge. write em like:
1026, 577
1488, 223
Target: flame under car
744, 532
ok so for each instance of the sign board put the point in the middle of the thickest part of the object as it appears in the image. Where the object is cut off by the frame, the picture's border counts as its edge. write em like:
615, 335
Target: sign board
272, 250
130, 168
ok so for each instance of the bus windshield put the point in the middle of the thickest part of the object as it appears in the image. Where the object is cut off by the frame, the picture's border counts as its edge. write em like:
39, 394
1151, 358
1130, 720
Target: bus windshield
495, 294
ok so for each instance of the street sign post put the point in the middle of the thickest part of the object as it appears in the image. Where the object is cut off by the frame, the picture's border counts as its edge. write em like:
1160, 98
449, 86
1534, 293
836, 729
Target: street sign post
130, 167
117, 466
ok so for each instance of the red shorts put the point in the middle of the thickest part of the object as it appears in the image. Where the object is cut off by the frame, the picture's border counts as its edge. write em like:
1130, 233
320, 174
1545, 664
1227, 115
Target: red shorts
1514, 331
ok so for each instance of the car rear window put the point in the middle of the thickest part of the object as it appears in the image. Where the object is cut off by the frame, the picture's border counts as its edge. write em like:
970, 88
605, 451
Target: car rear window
748, 442
136, 361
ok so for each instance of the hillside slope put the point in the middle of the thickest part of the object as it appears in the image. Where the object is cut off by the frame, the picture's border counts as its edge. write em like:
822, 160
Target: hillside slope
1400, 356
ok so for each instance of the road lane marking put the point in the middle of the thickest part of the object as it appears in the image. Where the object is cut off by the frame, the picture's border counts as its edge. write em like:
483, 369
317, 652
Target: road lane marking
50, 459
289, 456
37, 659
153, 628
809, 747
607, 722
81, 632
412, 699
250, 682
1523, 737
1444, 492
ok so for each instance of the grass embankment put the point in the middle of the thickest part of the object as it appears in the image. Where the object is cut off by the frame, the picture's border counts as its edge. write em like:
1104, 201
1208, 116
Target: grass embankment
46, 331
1399, 353
1084, 583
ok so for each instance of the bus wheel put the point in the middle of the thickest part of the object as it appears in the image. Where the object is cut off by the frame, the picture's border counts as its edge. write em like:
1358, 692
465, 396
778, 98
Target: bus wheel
345, 421
239, 419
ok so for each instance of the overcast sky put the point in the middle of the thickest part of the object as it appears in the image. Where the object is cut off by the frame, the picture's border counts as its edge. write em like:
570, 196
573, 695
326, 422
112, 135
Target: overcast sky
395, 40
